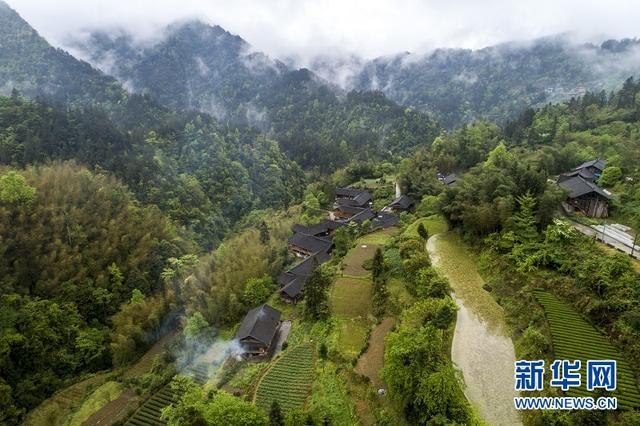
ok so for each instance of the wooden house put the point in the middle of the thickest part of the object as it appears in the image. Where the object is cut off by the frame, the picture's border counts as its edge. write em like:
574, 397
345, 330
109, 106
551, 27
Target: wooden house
353, 197
586, 196
306, 245
258, 330
401, 204
292, 281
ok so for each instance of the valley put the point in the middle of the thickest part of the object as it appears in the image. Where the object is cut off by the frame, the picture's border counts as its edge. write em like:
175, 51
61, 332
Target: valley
195, 231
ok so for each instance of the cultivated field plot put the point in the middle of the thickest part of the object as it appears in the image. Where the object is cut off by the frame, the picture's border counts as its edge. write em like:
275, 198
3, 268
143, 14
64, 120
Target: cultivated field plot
289, 380
372, 360
354, 259
574, 338
149, 413
351, 297
380, 237
434, 224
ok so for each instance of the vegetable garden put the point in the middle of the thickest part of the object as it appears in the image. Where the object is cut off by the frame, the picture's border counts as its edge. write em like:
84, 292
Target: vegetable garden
289, 380
573, 339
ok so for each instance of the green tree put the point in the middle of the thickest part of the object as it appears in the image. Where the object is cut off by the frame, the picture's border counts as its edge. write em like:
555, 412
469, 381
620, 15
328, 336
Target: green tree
196, 326
323, 351
610, 175
524, 221
316, 298
136, 297
258, 290
14, 190
264, 232
276, 418
422, 231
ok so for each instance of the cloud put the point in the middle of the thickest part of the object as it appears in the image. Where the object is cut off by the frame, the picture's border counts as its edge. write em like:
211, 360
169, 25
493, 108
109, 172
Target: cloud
307, 28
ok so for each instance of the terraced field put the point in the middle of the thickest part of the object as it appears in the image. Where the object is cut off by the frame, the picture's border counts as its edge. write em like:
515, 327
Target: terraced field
149, 413
289, 380
574, 338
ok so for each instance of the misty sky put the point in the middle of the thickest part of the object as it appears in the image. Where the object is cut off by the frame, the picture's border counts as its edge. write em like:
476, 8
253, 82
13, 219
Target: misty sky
370, 28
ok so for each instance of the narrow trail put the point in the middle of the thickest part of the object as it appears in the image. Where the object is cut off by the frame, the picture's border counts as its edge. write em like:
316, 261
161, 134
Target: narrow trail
482, 348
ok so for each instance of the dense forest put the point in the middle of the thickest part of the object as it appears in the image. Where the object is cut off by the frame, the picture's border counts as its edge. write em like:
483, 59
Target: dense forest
460, 85
156, 199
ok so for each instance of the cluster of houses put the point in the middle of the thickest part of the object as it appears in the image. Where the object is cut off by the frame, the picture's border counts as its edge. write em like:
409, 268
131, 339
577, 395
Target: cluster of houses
313, 244
584, 193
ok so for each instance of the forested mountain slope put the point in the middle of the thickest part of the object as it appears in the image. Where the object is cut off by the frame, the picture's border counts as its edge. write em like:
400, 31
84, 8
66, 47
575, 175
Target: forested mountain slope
460, 85
206, 68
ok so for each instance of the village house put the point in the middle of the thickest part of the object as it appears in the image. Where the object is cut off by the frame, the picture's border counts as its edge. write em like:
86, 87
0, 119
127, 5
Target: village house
362, 216
258, 330
353, 197
401, 204
586, 196
325, 228
384, 221
342, 212
589, 171
292, 282
451, 179
304, 245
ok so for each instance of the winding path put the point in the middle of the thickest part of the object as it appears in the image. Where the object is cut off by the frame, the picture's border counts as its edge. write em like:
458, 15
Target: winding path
482, 348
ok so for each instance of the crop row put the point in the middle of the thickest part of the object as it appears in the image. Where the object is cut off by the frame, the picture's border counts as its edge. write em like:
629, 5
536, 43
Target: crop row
149, 413
289, 380
573, 338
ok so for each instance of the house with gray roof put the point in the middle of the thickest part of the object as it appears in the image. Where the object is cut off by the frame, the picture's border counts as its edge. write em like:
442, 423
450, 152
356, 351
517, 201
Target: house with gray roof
258, 330
586, 196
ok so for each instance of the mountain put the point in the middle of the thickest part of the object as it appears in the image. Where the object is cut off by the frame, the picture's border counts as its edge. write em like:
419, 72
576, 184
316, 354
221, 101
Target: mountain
194, 66
459, 85
31, 65
202, 174
203, 67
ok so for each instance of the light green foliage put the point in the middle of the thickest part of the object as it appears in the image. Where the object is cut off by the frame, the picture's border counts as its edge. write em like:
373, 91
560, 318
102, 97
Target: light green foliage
98, 398
258, 290
14, 190
610, 176
136, 297
196, 325
220, 409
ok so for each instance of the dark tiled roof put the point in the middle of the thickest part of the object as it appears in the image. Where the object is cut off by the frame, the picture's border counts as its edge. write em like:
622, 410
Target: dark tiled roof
583, 173
295, 286
350, 209
452, 178
598, 163
365, 214
292, 282
385, 220
311, 243
306, 266
260, 323
320, 228
403, 202
578, 187
360, 200
348, 192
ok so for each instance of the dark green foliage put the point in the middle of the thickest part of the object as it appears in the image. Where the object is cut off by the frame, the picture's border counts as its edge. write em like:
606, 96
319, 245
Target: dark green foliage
379, 277
276, 418
460, 86
202, 174
323, 351
422, 231
316, 298
314, 125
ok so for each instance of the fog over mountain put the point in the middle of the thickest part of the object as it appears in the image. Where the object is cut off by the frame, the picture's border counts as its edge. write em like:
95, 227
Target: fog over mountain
306, 29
